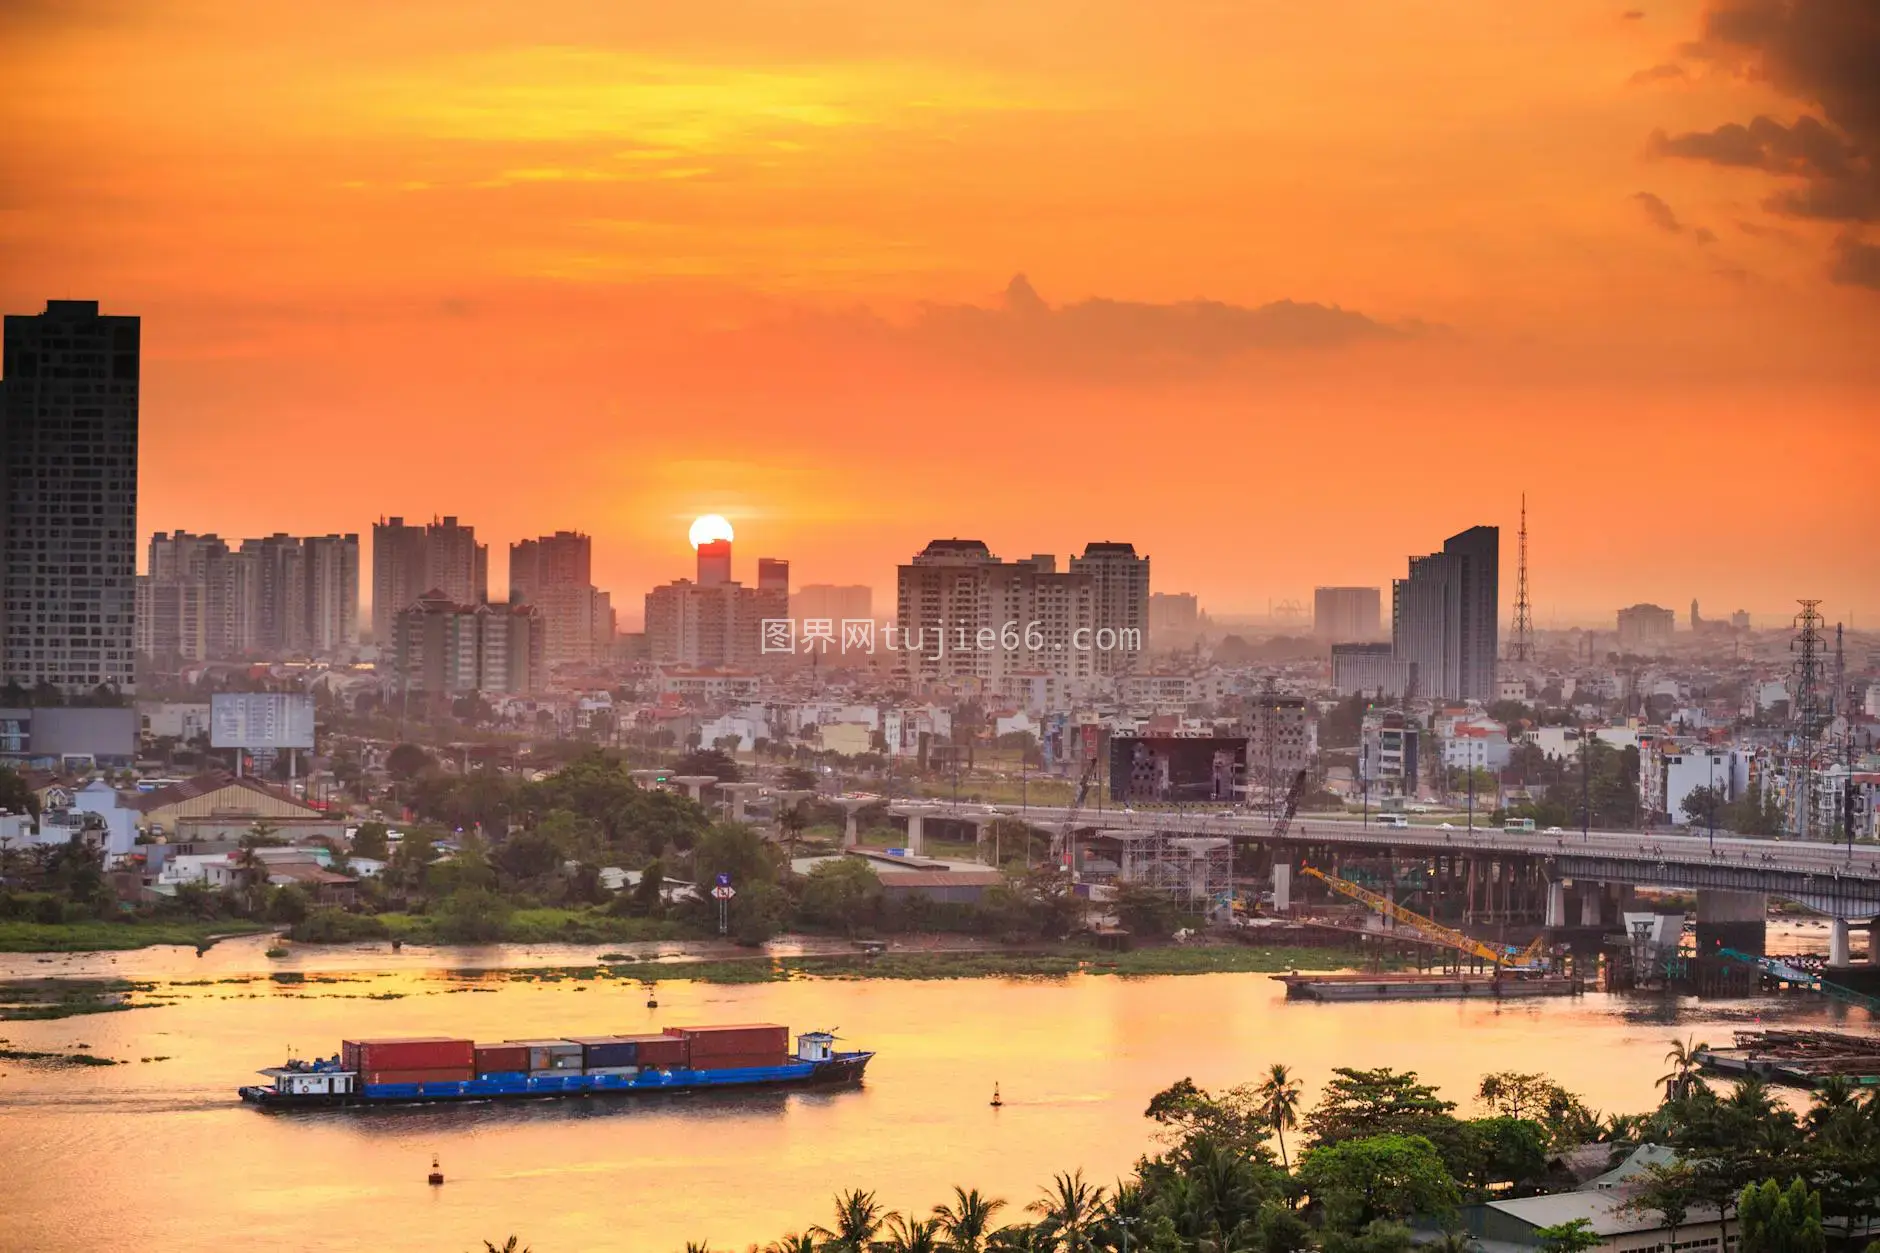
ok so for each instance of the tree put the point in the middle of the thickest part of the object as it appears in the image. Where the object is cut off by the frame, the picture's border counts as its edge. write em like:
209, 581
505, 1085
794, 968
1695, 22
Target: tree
288, 904
712, 761
735, 849
1774, 1220
1238, 1119
649, 893
371, 840
911, 1235
1279, 1104
842, 894
407, 761
858, 1220
966, 1221
1706, 806
1145, 911
1508, 1150
1068, 1211
1682, 1058
1666, 1191
1363, 1103
16, 795
1574, 1236
1358, 1181
473, 916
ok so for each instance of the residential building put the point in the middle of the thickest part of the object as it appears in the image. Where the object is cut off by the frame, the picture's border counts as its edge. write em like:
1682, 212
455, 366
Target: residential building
1725, 769
68, 498
410, 561
1282, 741
281, 595
1343, 615
773, 575
1476, 746
1445, 616
1646, 628
1119, 586
717, 621
828, 602
554, 573
331, 567
444, 649
1387, 754
1174, 618
1372, 670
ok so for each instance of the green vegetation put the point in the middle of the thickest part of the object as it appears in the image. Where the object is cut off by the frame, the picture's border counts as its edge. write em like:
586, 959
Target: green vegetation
1384, 1150
31, 1057
39, 1000
77, 937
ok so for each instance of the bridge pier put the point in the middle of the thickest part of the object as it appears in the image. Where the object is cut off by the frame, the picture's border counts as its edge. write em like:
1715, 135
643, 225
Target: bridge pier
1590, 894
1839, 953
916, 833
1556, 905
1732, 919
1282, 886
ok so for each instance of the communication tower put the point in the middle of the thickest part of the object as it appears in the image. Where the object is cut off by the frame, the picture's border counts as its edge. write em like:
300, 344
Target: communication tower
1810, 717
1521, 639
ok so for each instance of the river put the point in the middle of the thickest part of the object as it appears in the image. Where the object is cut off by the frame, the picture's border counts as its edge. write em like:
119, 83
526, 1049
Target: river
160, 1155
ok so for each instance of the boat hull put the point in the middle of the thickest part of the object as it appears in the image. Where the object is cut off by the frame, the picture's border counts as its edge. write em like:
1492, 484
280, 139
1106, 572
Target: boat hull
844, 1069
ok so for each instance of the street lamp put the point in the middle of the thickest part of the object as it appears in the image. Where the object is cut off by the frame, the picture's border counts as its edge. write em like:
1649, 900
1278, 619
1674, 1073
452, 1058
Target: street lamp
1586, 787
1711, 806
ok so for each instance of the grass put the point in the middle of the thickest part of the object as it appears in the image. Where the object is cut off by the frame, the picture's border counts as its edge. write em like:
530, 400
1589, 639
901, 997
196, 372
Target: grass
60, 1059
544, 926
92, 936
40, 1000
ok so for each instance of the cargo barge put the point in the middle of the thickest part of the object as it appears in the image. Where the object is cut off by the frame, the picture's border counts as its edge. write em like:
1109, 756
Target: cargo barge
1797, 1058
1424, 987
432, 1069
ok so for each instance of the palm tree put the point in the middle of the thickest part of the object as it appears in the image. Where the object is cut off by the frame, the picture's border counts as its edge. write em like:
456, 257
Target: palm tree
1835, 1094
1069, 1208
967, 1221
792, 1243
911, 1235
792, 820
1278, 1095
858, 1220
511, 1245
1683, 1062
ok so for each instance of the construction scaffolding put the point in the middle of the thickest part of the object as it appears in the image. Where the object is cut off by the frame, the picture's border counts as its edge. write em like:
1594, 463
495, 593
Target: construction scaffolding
1196, 869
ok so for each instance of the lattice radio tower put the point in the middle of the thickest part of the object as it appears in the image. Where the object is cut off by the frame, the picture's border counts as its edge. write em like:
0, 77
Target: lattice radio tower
1521, 643
1810, 714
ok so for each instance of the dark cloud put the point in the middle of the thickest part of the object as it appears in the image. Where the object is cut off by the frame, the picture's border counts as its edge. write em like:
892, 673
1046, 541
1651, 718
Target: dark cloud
1856, 264
1658, 74
1659, 214
1134, 336
1825, 55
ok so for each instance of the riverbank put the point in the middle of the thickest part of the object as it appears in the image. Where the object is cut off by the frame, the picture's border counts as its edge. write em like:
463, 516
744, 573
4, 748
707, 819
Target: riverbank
115, 936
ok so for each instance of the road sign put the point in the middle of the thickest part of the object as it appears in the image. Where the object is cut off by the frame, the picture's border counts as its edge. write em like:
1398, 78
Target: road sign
724, 880
723, 893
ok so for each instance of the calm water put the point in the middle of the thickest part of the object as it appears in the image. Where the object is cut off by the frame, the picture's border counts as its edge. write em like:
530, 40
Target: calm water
162, 1156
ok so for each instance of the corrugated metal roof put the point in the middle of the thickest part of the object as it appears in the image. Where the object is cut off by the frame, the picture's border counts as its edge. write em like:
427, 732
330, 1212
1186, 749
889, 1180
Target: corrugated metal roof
943, 879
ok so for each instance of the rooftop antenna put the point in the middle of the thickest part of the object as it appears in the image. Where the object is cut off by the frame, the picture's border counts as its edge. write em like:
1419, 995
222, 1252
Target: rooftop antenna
1521, 645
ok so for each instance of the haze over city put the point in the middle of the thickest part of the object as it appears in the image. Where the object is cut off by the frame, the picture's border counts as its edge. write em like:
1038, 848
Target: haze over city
1303, 285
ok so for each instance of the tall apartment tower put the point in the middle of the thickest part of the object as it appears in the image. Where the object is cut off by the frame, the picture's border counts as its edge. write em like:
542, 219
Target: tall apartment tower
332, 601
554, 573
1347, 615
1444, 616
1119, 584
964, 616
68, 498
412, 561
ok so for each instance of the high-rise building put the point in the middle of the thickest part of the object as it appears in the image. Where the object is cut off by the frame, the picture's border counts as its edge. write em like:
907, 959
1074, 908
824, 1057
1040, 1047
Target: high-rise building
964, 616
1174, 614
1119, 586
68, 498
281, 589
278, 596
1371, 670
714, 562
1444, 616
1345, 615
553, 573
773, 575
332, 600
442, 649
828, 602
412, 561
1646, 628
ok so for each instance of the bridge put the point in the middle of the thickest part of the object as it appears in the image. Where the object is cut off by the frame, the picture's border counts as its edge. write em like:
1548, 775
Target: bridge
1731, 875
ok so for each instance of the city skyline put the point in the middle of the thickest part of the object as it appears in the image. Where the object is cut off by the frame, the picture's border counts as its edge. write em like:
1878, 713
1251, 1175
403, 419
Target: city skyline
775, 280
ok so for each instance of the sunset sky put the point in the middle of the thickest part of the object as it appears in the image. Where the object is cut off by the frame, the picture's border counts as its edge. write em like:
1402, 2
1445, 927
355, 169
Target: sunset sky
608, 265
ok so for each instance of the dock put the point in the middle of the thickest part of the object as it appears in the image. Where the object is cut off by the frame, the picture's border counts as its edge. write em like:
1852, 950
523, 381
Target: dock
1798, 1058
1409, 986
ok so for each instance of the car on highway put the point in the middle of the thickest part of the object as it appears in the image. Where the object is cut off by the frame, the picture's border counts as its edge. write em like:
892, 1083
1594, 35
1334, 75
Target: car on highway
1555, 831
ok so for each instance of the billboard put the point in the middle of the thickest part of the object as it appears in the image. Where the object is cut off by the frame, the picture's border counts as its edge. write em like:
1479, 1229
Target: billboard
258, 720
1177, 767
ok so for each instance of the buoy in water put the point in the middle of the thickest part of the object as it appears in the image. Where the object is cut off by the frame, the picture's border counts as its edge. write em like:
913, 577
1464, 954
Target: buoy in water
996, 1101
436, 1177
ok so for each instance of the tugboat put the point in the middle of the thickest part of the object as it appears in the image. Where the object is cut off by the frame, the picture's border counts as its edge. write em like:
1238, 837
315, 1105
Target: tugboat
434, 1069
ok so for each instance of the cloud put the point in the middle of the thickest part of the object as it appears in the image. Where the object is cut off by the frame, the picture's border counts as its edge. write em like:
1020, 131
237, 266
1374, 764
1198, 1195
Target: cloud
1103, 335
1659, 214
1632, 15
1658, 74
1856, 264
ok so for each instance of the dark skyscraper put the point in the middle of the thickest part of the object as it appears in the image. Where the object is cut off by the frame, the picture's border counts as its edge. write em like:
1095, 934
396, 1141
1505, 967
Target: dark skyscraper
1444, 616
68, 498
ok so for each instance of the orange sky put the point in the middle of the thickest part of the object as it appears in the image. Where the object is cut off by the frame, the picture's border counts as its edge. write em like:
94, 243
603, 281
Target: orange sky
609, 265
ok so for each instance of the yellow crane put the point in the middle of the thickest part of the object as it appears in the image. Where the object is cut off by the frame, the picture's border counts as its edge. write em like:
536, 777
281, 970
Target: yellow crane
1495, 955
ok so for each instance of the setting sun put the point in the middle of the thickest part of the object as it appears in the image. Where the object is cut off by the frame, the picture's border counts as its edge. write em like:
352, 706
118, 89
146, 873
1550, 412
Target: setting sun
707, 529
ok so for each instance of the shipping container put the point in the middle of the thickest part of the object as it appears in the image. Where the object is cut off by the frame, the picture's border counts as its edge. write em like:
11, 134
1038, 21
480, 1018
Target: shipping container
664, 1051
607, 1050
496, 1058
446, 1074
746, 1038
552, 1054
412, 1053
739, 1061
628, 1071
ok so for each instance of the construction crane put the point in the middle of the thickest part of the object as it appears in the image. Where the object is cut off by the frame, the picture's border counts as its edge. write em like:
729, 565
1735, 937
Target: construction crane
1786, 973
1067, 838
1496, 955
1293, 793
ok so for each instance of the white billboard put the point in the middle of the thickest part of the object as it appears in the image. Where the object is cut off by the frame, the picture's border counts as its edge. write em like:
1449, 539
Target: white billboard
261, 720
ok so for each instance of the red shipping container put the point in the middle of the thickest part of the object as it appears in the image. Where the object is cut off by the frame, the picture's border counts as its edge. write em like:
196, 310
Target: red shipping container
660, 1050
492, 1058
740, 1061
415, 1053
451, 1074
734, 1041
